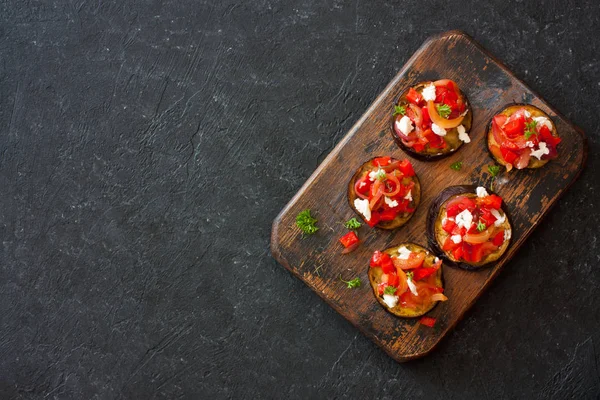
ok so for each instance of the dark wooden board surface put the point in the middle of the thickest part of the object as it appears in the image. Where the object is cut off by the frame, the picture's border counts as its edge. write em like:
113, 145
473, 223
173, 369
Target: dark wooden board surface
528, 195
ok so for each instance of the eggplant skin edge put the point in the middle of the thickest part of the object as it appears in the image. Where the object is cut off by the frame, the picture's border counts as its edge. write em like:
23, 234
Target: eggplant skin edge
401, 219
432, 217
423, 156
398, 311
534, 163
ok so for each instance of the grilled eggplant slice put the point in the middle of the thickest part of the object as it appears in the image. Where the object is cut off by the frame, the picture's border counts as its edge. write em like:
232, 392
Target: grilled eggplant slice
426, 279
475, 248
408, 197
515, 136
421, 142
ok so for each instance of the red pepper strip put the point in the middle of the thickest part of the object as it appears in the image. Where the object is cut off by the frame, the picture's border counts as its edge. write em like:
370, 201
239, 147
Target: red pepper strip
427, 321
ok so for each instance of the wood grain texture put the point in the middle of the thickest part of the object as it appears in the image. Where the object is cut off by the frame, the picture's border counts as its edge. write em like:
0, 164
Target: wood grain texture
528, 196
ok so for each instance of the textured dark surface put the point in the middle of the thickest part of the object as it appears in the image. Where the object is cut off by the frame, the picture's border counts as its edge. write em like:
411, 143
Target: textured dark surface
145, 148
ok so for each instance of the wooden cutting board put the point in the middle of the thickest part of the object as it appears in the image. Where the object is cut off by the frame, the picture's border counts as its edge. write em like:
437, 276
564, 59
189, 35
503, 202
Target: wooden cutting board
528, 196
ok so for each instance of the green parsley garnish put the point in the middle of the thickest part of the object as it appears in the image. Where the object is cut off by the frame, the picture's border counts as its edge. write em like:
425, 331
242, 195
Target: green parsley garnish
530, 129
380, 174
493, 170
354, 283
456, 165
306, 222
481, 226
353, 224
390, 290
444, 110
399, 110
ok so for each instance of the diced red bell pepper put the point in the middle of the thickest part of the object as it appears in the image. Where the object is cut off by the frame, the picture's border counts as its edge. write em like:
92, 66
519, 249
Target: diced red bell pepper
414, 97
508, 155
515, 126
435, 141
498, 239
486, 217
422, 273
406, 168
393, 280
381, 161
457, 253
449, 245
388, 215
427, 321
349, 239
491, 201
426, 119
376, 259
448, 225
387, 265
374, 219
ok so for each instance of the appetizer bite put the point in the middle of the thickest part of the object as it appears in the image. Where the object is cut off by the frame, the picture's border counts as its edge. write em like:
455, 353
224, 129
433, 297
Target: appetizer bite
467, 226
406, 280
522, 136
432, 120
385, 192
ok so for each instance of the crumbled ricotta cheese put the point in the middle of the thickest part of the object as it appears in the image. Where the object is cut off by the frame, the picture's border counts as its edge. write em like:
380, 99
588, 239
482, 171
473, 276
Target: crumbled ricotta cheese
408, 196
403, 253
405, 125
390, 300
390, 202
428, 92
507, 235
362, 205
412, 286
379, 174
462, 134
529, 143
542, 149
499, 218
464, 219
456, 239
481, 192
541, 121
438, 130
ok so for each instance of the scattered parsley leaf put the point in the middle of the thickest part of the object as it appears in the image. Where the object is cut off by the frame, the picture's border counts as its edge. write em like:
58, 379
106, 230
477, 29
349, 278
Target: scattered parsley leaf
380, 174
306, 223
444, 110
456, 165
390, 290
530, 129
399, 110
481, 226
353, 224
354, 283
493, 170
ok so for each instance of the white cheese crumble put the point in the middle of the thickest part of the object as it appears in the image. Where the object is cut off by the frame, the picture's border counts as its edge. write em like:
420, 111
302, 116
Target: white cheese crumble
403, 253
541, 121
362, 205
379, 174
438, 130
456, 239
526, 113
499, 218
428, 92
390, 300
529, 143
412, 286
542, 149
507, 235
464, 219
408, 196
405, 125
481, 192
390, 202
462, 134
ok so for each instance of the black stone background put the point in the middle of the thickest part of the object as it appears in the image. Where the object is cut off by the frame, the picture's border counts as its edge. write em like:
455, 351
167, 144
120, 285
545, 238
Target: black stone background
146, 147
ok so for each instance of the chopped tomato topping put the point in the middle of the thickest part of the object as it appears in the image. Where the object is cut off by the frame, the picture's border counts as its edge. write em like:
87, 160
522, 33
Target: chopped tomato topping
491, 201
427, 321
376, 259
406, 168
387, 265
448, 225
498, 239
381, 161
515, 126
349, 239
414, 97
415, 260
